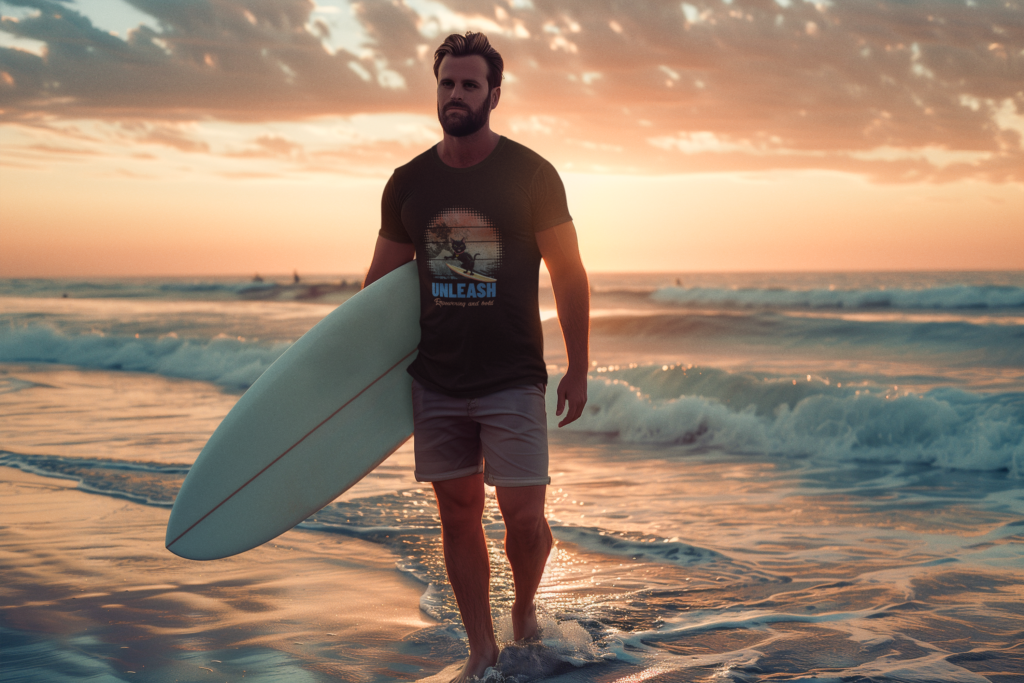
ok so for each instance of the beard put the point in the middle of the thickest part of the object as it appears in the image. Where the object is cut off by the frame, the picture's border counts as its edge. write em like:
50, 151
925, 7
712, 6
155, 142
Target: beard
459, 120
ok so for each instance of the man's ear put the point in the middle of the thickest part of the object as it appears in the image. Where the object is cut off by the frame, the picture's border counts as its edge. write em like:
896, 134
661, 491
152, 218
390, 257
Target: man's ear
495, 96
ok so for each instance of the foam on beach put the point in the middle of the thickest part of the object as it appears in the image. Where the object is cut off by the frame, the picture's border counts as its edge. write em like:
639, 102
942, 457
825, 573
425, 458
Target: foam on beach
706, 407
945, 427
950, 298
785, 484
227, 362
563, 646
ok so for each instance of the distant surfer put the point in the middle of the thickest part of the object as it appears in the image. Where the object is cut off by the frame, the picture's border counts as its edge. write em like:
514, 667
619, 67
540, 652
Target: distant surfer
480, 377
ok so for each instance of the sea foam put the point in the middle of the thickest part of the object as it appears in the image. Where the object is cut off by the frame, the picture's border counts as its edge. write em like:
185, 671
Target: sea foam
944, 427
703, 407
952, 297
224, 361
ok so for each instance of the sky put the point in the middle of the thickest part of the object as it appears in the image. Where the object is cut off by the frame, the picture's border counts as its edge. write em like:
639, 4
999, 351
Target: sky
219, 137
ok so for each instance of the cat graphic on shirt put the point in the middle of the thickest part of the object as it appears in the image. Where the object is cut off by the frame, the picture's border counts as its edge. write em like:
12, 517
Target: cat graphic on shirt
458, 248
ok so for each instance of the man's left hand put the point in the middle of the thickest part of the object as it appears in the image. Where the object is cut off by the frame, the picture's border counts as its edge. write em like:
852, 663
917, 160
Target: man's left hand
572, 389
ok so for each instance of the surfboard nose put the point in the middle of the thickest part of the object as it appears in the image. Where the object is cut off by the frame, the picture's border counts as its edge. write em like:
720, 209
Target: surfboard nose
324, 414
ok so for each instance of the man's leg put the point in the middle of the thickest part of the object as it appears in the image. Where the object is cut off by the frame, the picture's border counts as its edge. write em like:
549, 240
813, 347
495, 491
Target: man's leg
528, 543
461, 506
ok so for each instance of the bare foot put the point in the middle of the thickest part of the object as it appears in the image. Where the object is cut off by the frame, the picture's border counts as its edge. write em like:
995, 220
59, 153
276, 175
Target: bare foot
524, 623
476, 665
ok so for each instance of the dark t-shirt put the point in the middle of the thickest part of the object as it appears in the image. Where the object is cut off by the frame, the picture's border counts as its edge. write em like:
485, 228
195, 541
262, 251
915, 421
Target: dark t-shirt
474, 232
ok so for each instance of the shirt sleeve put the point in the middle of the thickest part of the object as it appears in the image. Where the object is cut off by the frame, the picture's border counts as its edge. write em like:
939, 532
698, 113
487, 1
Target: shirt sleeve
391, 226
550, 207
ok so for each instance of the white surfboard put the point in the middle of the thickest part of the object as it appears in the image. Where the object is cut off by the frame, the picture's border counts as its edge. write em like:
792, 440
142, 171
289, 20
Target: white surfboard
321, 417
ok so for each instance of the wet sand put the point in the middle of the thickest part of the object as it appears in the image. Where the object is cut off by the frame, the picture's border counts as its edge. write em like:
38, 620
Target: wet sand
805, 578
89, 591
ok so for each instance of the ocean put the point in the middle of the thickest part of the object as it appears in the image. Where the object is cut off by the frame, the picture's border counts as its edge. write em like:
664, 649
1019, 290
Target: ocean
778, 476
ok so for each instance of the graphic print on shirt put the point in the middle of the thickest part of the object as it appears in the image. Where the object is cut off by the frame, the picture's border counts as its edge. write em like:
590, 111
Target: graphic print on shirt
464, 252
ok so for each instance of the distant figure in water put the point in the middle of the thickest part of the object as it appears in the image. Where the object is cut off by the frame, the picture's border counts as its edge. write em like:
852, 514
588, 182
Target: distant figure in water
257, 278
295, 277
679, 283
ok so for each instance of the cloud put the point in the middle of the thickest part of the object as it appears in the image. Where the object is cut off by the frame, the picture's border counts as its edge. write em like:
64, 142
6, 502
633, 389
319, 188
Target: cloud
254, 60
163, 134
808, 84
272, 146
60, 150
898, 91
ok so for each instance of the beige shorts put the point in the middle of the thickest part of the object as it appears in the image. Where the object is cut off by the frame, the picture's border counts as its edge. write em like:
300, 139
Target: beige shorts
504, 435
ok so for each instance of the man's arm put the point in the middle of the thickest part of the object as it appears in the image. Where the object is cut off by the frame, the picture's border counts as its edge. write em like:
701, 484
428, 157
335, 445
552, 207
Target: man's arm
387, 256
561, 253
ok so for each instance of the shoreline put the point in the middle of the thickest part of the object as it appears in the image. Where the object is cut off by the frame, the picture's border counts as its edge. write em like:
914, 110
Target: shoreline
89, 588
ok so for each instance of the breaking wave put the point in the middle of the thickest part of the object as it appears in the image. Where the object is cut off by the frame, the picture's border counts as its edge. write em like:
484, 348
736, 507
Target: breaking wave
224, 361
705, 407
956, 297
700, 407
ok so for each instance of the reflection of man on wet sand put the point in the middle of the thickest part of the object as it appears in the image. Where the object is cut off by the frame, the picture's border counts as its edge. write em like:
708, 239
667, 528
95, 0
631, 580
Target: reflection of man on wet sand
479, 377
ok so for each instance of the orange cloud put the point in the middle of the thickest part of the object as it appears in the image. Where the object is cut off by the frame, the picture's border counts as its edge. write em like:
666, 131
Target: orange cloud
895, 91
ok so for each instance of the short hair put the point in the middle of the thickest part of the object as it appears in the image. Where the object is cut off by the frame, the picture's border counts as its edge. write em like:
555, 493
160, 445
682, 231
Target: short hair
472, 44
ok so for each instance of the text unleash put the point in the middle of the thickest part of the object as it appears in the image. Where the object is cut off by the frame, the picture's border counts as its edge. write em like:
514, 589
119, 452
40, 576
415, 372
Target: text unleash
464, 290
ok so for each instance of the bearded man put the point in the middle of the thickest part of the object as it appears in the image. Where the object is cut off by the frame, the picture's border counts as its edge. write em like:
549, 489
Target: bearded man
480, 200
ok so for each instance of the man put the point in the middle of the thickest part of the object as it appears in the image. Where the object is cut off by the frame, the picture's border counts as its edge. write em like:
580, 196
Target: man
478, 212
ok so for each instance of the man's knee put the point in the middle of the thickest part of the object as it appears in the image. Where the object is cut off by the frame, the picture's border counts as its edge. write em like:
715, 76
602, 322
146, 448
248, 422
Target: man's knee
523, 513
460, 502
524, 522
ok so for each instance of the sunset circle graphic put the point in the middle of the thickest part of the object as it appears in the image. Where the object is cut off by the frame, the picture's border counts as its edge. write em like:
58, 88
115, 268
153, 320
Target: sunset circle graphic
462, 243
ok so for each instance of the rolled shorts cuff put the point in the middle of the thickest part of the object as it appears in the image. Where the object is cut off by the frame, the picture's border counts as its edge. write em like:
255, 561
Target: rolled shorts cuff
512, 482
456, 474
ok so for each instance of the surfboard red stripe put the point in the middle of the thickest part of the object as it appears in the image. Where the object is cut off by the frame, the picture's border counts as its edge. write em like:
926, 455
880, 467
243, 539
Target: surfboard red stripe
288, 450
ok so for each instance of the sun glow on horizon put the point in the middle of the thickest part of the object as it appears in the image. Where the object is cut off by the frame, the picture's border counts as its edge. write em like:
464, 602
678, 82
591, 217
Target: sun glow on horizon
851, 139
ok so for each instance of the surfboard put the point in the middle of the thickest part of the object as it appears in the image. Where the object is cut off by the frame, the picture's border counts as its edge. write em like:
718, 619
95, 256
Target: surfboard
471, 276
330, 409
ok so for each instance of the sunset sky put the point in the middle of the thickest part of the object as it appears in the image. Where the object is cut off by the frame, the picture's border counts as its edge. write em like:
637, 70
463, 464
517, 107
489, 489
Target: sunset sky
192, 137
